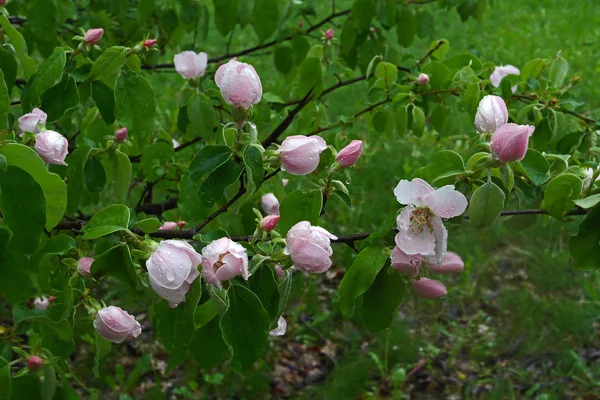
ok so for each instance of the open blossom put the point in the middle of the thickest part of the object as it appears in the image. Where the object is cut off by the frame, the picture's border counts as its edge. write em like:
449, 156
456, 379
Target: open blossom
300, 155
503, 71
491, 114
309, 247
429, 288
52, 147
350, 154
190, 65
168, 226
92, 36
510, 142
83, 266
29, 122
222, 260
420, 225
115, 325
41, 303
172, 268
270, 204
280, 329
239, 83
423, 79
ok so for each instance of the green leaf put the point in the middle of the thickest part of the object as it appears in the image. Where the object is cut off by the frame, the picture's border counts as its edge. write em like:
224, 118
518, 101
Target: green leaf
111, 219
418, 124
443, 168
184, 325
264, 285
342, 192
300, 205
49, 74
5, 380
207, 160
135, 107
588, 202
401, 120
157, 154
148, 225
535, 167
472, 95
102, 349
20, 46
380, 303
254, 167
310, 76
95, 177
284, 59
60, 98
23, 209
4, 102
211, 190
201, 115
407, 26
245, 326
207, 347
439, 119
116, 262
532, 69
22, 314
104, 97
108, 63
265, 16
442, 47
560, 193
53, 187
75, 177
225, 10
300, 45
8, 67
361, 275
585, 245
285, 288
485, 206
142, 367
363, 11
558, 71
205, 312
118, 175
48, 385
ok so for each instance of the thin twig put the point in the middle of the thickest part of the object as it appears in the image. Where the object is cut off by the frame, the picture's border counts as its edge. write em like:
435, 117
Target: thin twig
283, 125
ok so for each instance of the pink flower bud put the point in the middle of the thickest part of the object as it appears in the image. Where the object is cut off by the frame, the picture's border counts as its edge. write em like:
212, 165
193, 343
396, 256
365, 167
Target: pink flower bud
404, 263
92, 36
281, 328
172, 268
279, 270
168, 226
452, 264
121, 135
501, 72
34, 363
300, 154
149, 43
239, 83
269, 222
423, 79
115, 325
41, 303
284, 182
222, 260
190, 65
52, 147
270, 204
510, 141
350, 154
491, 114
300, 24
329, 34
51, 299
309, 247
83, 266
3, 3
181, 224
29, 122
429, 288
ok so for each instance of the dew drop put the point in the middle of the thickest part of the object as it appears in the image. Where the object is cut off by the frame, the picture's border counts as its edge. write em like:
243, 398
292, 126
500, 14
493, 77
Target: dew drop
170, 276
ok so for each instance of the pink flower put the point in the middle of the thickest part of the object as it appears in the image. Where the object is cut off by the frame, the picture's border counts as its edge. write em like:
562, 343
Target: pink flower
92, 36
270, 204
83, 266
429, 288
491, 114
300, 154
222, 260
168, 226
404, 263
510, 141
421, 230
452, 264
29, 122
350, 154
115, 325
34, 363
503, 71
52, 147
329, 34
190, 65
281, 328
41, 303
309, 247
239, 83
149, 43
172, 268
423, 79
269, 222
121, 135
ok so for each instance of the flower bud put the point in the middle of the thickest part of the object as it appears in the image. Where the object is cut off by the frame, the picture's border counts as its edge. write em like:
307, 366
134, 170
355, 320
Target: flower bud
92, 36
115, 325
181, 224
52, 147
329, 34
41, 303
190, 65
423, 79
404, 263
34, 363
501, 72
300, 24
239, 83
51, 299
284, 182
452, 264
149, 43
491, 114
3, 3
309, 247
121, 135
84, 265
222, 260
510, 141
269, 222
429, 288
281, 328
29, 122
168, 226
270, 204
300, 154
279, 271
350, 154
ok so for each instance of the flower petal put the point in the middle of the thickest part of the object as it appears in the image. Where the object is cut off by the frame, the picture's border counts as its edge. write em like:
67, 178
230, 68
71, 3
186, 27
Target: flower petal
446, 202
412, 192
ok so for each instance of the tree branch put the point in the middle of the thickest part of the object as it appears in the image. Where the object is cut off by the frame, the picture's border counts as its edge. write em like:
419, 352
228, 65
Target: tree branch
283, 125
